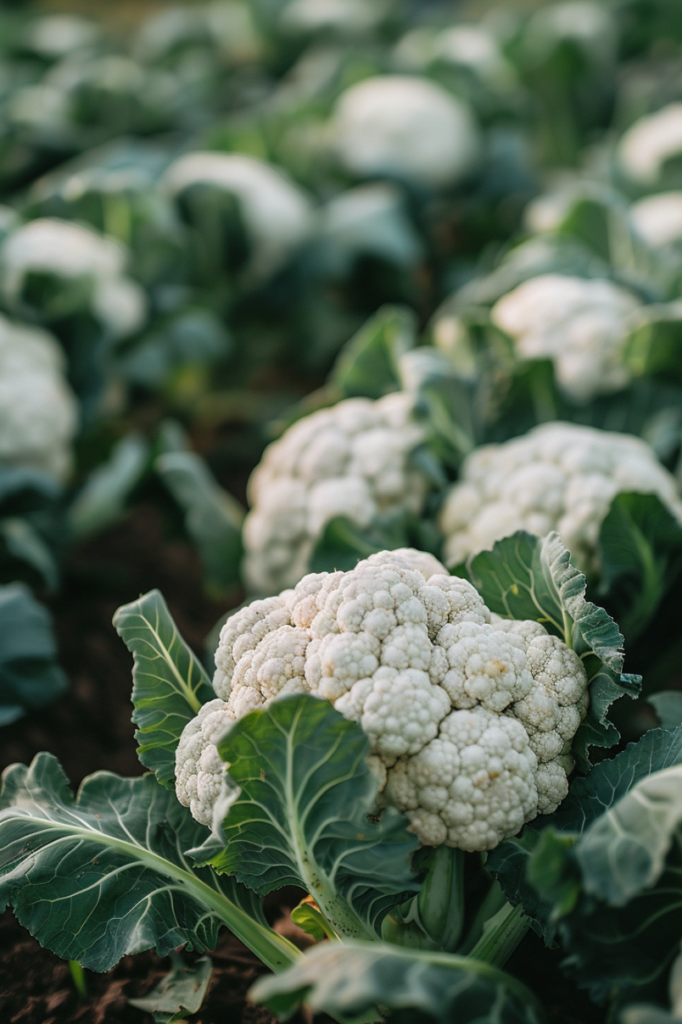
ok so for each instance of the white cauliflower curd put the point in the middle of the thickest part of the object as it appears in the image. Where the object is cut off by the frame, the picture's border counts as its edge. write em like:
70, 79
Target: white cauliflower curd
406, 126
581, 325
649, 143
470, 717
277, 215
351, 460
658, 218
38, 412
66, 250
558, 476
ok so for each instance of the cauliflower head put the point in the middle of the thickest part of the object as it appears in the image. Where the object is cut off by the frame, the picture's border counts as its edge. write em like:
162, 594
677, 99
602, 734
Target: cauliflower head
658, 218
558, 476
277, 214
581, 325
406, 126
649, 143
470, 717
350, 460
38, 411
66, 250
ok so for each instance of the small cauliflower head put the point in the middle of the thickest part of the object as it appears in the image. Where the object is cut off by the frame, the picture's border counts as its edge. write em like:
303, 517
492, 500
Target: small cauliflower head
558, 476
470, 717
277, 215
38, 411
73, 252
653, 140
658, 219
406, 126
581, 325
351, 460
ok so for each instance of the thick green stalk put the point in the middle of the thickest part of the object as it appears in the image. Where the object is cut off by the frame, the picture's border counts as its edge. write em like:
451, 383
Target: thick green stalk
501, 935
432, 919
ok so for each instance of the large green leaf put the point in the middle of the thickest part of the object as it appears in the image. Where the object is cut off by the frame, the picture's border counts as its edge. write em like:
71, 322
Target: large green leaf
29, 674
102, 874
368, 364
527, 577
588, 798
179, 993
343, 543
622, 920
213, 518
640, 552
169, 681
414, 986
654, 346
102, 500
304, 814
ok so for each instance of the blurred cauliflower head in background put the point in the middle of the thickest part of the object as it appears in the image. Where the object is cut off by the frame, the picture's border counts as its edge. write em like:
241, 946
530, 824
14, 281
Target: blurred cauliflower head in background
581, 325
558, 476
352, 460
86, 271
650, 144
275, 213
658, 218
38, 412
407, 127
470, 717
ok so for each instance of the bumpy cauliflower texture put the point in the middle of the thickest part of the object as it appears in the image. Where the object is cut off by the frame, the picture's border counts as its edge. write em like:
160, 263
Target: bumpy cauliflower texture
406, 126
470, 717
581, 325
351, 460
38, 412
277, 215
558, 476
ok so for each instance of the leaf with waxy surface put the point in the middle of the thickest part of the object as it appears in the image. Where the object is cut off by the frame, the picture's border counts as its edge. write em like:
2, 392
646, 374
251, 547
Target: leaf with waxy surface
367, 366
527, 577
414, 985
169, 681
179, 993
301, 814
102, 874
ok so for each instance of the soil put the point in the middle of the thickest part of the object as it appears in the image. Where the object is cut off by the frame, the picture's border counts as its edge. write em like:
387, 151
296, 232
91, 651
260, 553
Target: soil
90, 729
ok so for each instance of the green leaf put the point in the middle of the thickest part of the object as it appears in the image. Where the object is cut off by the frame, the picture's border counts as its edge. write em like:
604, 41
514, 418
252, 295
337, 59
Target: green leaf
213, 518
179, 993
169, 681
310, 920
102, 500
527, 577
29, 674
301, 814
434, 918
668, 707
445, 402
367, 366
654, 346
587, 799
640, 551
25, 544
102, 874
413, 985
624, 926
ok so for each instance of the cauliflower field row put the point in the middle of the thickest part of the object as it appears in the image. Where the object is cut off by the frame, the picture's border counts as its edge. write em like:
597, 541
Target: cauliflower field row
369, 316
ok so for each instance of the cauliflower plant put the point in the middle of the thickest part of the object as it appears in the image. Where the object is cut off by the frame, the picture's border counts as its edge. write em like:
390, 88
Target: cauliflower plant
470, 716
649, 143
558, 476
581, 325
406, 126
71, 252
277, 214
351, 460
38, 412
658, 218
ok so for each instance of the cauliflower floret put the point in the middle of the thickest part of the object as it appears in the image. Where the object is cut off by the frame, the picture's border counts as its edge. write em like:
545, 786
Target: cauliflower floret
558, 476
405, 126
470, 717
198, 768
651, 141
71, 251
581, 325
351, 460
277, 214
38, 412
